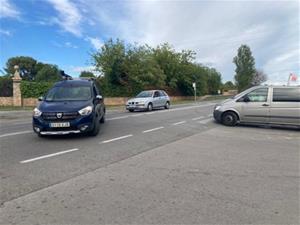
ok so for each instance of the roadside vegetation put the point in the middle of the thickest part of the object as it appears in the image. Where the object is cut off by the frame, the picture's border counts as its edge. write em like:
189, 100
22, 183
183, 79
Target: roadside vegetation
126, 69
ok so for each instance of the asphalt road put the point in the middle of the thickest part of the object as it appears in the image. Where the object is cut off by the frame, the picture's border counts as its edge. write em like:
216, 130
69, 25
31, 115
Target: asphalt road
166, 166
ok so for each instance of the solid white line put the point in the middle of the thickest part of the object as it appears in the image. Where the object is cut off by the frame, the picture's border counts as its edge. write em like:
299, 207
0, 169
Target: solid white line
50, 155
154, 129
16, 133
117, 118
181, 122
198, 118
205, 121
118, 138
149, 113
136, 115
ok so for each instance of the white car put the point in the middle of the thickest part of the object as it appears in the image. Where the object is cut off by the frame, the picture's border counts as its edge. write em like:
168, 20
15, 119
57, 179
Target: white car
148, 100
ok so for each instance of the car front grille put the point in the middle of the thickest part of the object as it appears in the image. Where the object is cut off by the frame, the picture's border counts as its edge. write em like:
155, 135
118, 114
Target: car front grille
54, 116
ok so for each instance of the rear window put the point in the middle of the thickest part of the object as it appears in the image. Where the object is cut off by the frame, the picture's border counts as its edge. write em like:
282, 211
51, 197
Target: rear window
286, 95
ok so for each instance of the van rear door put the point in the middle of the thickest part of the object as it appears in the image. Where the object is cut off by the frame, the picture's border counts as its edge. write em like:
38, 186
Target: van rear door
285, 105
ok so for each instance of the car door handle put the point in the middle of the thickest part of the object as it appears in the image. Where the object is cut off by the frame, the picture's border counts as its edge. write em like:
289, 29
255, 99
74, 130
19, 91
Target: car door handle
265, 104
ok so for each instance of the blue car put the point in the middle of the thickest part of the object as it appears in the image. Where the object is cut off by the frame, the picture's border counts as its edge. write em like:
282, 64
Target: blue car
70, 107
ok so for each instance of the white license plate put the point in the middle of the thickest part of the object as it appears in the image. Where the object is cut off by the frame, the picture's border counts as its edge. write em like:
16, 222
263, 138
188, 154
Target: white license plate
65, 124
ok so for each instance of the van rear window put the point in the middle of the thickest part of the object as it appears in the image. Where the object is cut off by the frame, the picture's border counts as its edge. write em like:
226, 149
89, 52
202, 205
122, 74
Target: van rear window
286, 94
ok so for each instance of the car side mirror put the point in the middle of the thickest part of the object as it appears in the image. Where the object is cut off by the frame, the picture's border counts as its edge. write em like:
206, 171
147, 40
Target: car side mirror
99, 97
246, 99
41, 98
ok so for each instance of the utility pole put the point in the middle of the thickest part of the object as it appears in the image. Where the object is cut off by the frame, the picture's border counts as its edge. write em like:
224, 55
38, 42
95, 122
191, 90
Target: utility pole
195, 90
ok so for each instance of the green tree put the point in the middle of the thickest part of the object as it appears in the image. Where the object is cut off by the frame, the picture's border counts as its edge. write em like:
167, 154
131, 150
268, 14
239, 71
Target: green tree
86, 74
214, 81
228, 86
259, 77
245, 68
26, 65
48, 73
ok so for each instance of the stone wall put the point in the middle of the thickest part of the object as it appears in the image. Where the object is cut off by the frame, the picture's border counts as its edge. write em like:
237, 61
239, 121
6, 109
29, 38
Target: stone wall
6, 101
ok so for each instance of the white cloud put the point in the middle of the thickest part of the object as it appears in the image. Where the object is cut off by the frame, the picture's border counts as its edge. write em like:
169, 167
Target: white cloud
69, 17
8, 10
64, 45
96, 42
213, 29
76, 70
5, 32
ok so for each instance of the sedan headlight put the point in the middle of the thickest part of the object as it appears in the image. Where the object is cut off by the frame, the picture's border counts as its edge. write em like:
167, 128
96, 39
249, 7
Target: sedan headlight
86, 111
36, 112
217, 107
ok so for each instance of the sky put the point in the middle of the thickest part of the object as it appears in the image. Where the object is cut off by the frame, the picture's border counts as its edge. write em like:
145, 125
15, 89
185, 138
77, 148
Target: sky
66, 32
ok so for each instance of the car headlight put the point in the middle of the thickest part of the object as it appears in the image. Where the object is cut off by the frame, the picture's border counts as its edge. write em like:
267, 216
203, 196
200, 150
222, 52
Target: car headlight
217, 107
36, 112
86, 111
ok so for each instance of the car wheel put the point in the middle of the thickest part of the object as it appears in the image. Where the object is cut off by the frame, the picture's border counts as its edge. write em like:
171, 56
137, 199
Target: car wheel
40, 135
150, 107
229, 119
167, 105
96, 129
130, 110
102, 120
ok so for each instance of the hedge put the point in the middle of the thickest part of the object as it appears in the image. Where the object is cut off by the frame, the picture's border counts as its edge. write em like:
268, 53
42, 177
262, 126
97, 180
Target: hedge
6, 87
34, 89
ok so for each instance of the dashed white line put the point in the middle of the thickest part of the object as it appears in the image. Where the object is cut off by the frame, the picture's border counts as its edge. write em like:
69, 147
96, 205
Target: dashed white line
198, 118
178, 123
205, 121
50, 155
118, 138
15, 133
154, 129
136, 115
149, 113
117, 118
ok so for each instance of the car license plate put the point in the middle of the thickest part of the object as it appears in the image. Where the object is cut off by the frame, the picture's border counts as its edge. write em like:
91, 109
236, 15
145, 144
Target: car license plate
65, 124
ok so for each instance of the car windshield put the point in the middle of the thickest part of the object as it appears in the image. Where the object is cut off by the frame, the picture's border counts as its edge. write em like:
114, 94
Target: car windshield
145, 94
71, 93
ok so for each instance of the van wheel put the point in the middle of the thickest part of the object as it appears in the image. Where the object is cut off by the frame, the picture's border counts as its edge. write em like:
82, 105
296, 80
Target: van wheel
150, 107
96, 129
229, 119
167, 105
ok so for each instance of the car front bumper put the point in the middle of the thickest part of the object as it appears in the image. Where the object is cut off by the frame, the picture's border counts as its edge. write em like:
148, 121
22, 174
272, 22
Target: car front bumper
81, 124
136, 107
218, 115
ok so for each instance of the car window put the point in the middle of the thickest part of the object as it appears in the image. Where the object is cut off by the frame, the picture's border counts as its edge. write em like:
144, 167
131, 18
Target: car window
156, 94
286, 95
258, 95
70, 93
145, 94
162, 93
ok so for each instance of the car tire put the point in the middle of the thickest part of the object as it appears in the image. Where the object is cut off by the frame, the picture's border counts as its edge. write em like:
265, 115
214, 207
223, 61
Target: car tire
167, 105
95, 129
130, 110
150, 107
102, 120
40, 135
229, 119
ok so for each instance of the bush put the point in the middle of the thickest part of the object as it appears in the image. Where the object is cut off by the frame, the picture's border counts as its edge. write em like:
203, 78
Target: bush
34, 89
6, 87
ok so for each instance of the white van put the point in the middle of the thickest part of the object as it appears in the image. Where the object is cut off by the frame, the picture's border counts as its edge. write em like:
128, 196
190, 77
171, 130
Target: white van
261, 104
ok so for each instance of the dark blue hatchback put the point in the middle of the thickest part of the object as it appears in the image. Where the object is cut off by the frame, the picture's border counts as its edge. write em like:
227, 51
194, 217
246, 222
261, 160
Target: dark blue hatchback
70, 106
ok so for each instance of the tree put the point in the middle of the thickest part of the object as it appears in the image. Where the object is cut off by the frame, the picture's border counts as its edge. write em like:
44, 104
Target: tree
245, 68
213, 81
86, 74
26, 65
228, 86
48, 72
259, 77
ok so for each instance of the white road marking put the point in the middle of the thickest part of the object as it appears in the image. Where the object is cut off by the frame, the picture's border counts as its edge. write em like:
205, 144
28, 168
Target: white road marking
118, 138
205, 121
136, 115
198, 118
15, 133
154, 129
209, 115
181, 122
50, 155
149, 113
117, 118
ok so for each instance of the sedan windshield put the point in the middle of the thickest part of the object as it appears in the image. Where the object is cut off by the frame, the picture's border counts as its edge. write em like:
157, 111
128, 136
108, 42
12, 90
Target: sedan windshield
145, 94
71, 93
